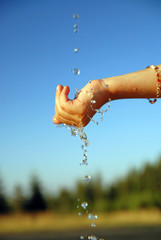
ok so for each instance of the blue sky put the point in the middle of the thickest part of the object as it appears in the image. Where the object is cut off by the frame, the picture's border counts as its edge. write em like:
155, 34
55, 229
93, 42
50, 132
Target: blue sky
36, 48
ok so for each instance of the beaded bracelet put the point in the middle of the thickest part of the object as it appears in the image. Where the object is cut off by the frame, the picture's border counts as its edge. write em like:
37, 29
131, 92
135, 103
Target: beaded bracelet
158, 74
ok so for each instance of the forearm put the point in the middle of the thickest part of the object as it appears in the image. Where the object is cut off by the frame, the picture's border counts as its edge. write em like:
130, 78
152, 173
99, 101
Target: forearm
79, 111
140, 84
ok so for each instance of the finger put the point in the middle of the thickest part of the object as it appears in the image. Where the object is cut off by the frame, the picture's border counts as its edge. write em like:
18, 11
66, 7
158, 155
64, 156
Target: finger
64, 94
57, 96
56, 121
58, 92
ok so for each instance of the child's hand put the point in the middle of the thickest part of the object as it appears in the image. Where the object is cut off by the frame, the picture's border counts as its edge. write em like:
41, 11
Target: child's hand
77, 112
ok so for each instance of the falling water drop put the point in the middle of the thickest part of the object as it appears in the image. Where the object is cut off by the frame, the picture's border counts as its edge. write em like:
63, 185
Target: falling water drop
87, 178
75, 16
73, 132
86, 143
93, 225
85, 155
76, 71
84, 205
76, 27
82, 146
92, 237
81, 237
84, 162
76, 50
90, 216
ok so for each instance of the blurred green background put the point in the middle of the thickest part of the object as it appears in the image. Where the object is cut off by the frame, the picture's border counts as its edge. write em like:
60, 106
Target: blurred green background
139, 189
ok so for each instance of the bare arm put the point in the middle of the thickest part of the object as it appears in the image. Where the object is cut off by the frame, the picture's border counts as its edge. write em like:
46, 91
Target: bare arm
77, 112
140, 84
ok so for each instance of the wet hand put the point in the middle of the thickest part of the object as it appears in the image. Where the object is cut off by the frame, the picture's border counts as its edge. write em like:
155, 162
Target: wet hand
76, 112
70, 112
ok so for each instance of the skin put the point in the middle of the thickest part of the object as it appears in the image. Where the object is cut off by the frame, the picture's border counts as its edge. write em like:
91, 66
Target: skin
77, 112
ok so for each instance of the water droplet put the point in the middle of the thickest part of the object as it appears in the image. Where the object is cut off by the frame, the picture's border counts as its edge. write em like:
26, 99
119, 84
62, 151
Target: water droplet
79, 213
92, 237
77, 93
73, 132
84, 137
84, 162
87, 178
84, 205
76, 50
93, 225
82, 146
75, 16
77, 206
90, 216
86, 143
75, 25
106, 86
93, 101
85, 155
102, 118
82, 237
76, 71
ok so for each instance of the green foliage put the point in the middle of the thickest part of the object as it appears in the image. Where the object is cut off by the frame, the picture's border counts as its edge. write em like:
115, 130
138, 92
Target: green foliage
18, 199
36, 202
4, 206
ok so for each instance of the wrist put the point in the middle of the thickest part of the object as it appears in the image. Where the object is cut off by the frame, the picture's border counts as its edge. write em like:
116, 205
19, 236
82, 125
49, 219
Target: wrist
109, 88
